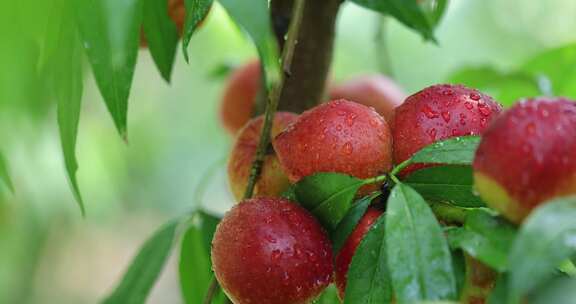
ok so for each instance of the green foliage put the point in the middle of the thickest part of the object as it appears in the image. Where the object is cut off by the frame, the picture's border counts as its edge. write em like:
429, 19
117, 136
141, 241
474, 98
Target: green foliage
452, 151
110, 31
161, 35
559, 66
145, 268
196, 11
253, 16
329, 296
327, 195
4, 176
195, 265
451, 184
544, 241
418, 256
484, 237
368, 275
67, 85
349, 222
422, 16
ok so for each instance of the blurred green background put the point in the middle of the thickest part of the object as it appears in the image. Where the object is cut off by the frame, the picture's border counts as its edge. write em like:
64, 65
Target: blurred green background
50, 254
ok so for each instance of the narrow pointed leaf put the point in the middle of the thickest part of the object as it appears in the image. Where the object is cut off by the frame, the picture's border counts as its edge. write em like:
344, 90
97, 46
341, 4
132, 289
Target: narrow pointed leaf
418, 256
110, 31
161, 35
196, 11
254, 17
68, 86
368, 279
450, 184
453, 151
545, 240
349, 222
328, 196
4, 176
145, 268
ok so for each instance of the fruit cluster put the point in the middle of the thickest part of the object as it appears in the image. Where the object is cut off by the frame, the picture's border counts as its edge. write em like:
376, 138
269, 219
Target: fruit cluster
269, 249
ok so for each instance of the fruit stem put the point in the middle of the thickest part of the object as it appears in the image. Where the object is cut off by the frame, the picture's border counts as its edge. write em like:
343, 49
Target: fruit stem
377, 179
401, 167
272, 102
449, 213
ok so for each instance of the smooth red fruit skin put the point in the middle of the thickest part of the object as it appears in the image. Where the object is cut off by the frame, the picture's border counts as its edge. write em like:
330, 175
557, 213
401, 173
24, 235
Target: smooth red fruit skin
345, 255
530, 154
273, 181
337, 136
437, 113
376, 91
239, 96
271, 251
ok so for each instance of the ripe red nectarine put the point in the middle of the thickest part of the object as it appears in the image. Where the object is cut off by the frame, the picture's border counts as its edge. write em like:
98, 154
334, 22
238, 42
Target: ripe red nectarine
272, 181
239, 97
345, 255
271, 251
528, 156
377, 91
436, 113
338, 136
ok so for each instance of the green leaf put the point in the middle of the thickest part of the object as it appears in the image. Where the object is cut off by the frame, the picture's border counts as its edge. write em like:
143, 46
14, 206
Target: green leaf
327, 195
68, 87
195, 265
418, 256
110, 31
459, 265
196, 11
452, 151
349, 222
4, 176
544, 241
254, 17
161, 35
145, 268
559, 66
561, 290
506, 88
484, 237
421, 17
499, 294
451, 184
368, 278
329, 296
290, 193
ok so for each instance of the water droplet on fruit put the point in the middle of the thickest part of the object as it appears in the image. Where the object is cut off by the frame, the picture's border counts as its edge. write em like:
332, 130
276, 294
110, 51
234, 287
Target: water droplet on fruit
475, 96
339, 127
462, 119
374, 122
276, 255
285, 278
270, 239
448, 92
350, 119
484, 109
468, 105
432, 133
446, 116
348, 148
342, 113
454, 132
483, 122
429, 112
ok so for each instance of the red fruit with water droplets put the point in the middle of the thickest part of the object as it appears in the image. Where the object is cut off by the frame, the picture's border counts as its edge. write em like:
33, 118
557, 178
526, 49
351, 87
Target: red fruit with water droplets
338, 136
437, 113
376, 91
240, 96
345, 255
271, 251
272, 181
528, 156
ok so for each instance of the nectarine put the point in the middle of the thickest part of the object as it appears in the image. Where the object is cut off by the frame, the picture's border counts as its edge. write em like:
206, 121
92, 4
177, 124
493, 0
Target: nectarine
436, 113
528, 156
338, 136
271, 251
239, 97
272, 181
377, 91
344, 257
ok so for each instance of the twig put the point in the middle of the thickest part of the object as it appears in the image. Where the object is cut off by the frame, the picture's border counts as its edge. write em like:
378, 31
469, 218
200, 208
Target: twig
272, 104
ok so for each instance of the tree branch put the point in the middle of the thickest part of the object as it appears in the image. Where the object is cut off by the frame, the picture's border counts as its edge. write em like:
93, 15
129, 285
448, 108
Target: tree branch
305, 84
